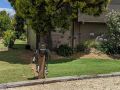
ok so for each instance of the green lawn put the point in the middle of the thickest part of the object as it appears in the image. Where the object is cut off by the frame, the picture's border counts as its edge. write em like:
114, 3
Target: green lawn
2, 45
82, 67
14, 68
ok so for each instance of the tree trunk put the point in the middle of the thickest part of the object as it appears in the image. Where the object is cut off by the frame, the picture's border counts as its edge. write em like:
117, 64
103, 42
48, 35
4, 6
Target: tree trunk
72, 33
41, 59
41, 63
27, 33
37, 40
49, 38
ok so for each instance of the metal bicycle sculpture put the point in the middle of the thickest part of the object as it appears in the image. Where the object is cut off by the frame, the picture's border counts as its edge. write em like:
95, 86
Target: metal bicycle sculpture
40, 58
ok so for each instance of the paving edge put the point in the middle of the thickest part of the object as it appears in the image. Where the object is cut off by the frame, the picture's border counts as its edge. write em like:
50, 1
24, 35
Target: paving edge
54, 80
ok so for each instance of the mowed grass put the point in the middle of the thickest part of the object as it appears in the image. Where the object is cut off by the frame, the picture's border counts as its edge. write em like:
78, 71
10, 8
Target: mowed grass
12, 66
78, 67
2, 45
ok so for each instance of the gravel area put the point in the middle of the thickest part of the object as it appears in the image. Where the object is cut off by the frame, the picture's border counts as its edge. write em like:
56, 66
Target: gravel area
112, 83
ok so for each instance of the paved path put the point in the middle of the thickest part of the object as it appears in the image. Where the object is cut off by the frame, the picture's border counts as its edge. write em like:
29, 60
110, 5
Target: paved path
112, 83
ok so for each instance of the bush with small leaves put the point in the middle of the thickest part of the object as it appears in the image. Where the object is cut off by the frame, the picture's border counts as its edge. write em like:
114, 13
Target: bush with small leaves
112, 43
81, 47
64, 50
92, 44
23, 37
9, 38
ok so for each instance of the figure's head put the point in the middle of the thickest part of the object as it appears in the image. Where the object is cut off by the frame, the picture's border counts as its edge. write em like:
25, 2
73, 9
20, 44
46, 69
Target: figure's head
42, 48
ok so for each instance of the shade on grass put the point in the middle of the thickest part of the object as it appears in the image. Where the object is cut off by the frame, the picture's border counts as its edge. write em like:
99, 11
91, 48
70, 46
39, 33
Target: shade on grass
12, 66
82, 67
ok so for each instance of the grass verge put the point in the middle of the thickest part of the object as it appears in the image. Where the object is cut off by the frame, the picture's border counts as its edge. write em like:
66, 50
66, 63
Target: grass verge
82, 67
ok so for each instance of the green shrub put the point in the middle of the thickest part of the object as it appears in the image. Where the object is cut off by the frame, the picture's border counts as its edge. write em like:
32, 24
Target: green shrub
91, 43
23, 37
109, 48
64, 50
112, 43
81, 47
9, 38
18, 34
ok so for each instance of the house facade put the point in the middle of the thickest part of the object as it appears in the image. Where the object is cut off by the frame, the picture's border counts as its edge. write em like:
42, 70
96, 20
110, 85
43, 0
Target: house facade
85, 28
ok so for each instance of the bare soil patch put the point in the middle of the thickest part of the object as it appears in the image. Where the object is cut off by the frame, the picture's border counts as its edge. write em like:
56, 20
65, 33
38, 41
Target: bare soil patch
27, 56
92, 54
95, 56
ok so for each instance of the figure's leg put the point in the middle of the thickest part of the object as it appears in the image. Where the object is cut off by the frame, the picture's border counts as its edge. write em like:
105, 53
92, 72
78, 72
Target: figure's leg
37, 68
46, 70
41, 73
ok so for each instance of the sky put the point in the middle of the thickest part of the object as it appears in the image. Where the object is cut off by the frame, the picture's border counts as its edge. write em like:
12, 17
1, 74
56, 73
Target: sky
5, 5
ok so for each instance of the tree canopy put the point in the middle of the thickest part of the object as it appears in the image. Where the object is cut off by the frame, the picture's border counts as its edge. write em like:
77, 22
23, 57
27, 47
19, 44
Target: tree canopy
47, 15
5, 21
19, 23
56, 12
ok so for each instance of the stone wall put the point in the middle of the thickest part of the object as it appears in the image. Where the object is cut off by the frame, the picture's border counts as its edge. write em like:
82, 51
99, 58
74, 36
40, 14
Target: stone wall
82, 32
